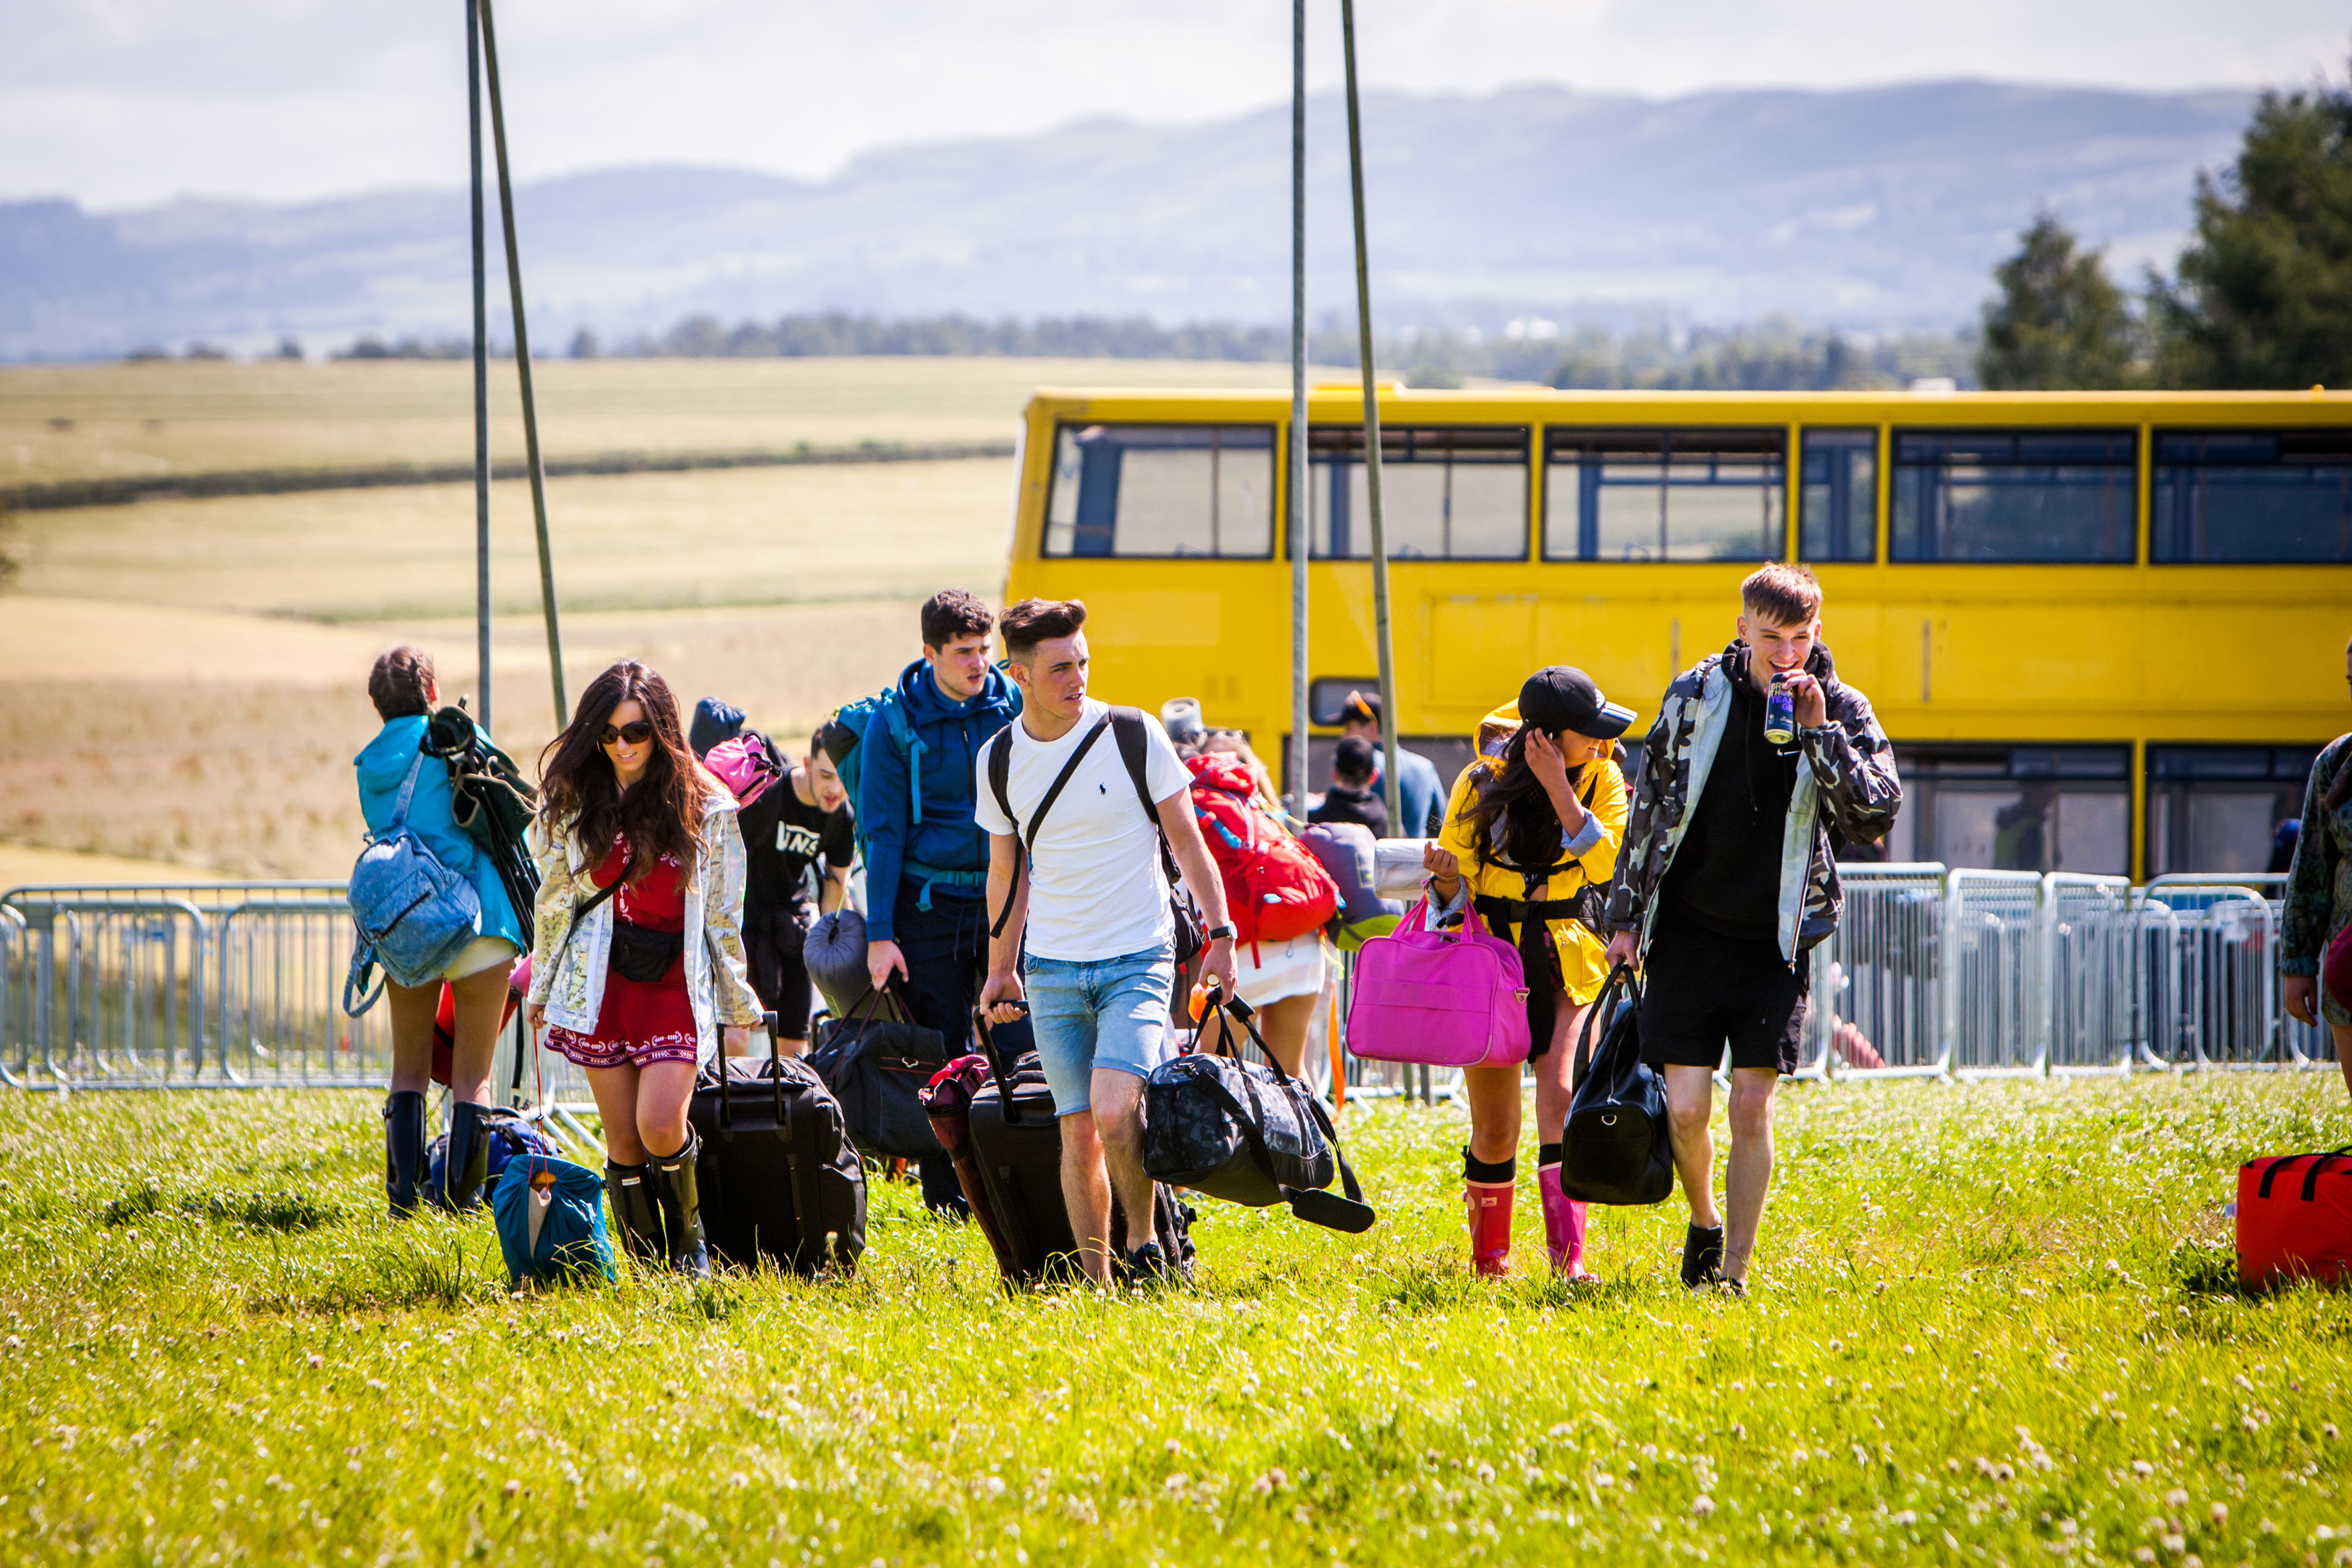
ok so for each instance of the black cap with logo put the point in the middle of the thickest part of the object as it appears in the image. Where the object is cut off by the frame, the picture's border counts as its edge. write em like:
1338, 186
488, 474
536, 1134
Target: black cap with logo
1560, 697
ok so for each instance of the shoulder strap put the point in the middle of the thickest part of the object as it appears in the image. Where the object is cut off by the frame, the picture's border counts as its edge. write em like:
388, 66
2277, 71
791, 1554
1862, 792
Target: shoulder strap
1000, 769
407, 789
1000, 774
1061, 780
1134, 750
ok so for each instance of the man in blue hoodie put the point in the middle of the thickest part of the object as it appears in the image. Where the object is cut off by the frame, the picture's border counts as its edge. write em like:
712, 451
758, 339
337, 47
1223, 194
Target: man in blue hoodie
926, 859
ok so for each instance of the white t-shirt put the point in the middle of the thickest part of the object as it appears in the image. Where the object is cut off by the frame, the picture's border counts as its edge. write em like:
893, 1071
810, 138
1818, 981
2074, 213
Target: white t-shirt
1096, 888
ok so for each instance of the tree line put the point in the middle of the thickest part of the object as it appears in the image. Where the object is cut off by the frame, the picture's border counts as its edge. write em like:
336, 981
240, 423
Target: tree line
2261, 299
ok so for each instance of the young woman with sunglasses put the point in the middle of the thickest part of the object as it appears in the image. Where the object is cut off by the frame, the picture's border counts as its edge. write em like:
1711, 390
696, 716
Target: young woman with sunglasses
1528, 837
640, 967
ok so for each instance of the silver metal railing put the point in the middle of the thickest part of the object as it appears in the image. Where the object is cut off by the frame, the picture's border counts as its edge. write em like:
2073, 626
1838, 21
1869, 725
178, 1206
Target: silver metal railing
1950, 973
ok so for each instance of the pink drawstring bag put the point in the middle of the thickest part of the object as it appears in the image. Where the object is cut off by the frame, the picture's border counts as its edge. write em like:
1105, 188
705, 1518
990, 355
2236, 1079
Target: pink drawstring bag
1446, 999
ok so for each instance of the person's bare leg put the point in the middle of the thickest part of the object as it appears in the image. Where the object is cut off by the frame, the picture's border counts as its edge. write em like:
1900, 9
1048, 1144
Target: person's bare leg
2342, 1034
1690, 1103
481, 1003
1495, 1112
412, 1008
1085, 1192
1747, 1175
1555, 1070
664, 1091
1117, 1099
615, 1092
1285, 1024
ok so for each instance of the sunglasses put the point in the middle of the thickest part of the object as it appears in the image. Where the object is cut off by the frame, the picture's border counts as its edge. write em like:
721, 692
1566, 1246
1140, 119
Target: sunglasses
635, 734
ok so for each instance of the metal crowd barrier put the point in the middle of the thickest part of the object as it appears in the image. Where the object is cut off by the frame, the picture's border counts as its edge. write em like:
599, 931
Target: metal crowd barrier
1934, 972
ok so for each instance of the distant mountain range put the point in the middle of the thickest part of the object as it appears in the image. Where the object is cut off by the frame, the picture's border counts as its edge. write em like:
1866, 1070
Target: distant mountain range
1881, 207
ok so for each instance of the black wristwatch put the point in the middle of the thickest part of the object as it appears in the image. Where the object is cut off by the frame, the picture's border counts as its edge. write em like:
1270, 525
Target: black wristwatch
1213, 932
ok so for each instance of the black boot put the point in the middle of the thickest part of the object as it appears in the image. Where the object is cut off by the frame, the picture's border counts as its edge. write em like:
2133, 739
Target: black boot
634, 1213
467, 1164
681, 1207
404, 1149
1702, 1257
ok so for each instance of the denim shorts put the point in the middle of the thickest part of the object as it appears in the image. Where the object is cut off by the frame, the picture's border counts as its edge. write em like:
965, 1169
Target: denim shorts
1092, 1013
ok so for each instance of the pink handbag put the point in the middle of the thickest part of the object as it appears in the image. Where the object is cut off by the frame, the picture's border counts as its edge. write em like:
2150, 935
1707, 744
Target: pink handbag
1447, 998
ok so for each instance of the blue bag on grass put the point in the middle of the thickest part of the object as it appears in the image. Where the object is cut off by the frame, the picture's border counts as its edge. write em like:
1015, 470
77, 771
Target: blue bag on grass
510, 1137
551, 1219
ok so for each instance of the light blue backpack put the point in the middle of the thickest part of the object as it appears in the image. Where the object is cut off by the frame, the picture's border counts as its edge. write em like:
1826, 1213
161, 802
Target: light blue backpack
414, 915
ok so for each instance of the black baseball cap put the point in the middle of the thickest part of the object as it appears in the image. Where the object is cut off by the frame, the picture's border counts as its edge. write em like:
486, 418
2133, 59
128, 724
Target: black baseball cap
1560, 697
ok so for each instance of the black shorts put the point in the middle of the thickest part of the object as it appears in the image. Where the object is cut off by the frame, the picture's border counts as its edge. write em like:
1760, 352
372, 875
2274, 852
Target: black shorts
1701, 990
774, 937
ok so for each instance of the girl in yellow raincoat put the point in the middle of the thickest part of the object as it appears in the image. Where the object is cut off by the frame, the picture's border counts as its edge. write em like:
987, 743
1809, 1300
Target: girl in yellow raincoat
1530, 839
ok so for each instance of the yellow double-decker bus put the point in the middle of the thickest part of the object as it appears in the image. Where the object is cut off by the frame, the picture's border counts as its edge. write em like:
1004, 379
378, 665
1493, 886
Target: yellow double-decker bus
2105, 630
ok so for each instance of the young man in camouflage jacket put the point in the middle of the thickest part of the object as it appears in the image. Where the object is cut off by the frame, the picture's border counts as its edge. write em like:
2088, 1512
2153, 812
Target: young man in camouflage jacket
1729, 878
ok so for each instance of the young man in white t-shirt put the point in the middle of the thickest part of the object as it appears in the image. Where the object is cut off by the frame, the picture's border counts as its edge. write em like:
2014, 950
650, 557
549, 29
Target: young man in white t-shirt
1100, 963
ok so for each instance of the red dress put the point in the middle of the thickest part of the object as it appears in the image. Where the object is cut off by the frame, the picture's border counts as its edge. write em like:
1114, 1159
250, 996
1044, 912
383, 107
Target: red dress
640, 1021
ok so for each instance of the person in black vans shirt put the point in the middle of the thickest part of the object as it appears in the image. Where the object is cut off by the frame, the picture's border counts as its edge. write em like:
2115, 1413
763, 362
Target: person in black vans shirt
804, 819
1729, 879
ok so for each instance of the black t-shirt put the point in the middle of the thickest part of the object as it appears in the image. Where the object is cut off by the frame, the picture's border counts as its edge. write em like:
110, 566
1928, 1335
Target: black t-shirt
1365, 806
1725, 878
782, 835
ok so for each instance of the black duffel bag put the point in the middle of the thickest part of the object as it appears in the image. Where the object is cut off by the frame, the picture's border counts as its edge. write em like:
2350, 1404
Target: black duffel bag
877, 1067
1247, 1133
1616, 1147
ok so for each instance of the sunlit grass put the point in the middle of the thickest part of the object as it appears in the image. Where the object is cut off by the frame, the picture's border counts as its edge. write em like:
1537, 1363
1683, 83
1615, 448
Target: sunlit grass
1991, 1323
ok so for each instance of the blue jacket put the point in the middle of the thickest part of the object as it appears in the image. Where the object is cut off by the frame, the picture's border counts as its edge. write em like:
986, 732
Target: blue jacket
1419, 793
381, 769
946, 850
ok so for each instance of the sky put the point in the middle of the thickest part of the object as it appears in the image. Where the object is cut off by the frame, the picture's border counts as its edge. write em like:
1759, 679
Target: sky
124, 103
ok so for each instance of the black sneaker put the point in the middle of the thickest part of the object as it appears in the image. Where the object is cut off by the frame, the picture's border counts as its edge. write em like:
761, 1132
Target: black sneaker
1702, 1257
1735, 1288
1146, 1266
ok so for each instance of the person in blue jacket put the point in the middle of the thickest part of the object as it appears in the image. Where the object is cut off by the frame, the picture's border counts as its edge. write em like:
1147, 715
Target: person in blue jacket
403, 688
926, 859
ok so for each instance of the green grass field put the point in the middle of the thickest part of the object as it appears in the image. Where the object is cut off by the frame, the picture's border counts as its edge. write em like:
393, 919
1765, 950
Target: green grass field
1992, 1324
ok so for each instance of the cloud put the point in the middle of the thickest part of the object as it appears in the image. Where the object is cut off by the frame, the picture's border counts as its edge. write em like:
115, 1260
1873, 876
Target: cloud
118, 102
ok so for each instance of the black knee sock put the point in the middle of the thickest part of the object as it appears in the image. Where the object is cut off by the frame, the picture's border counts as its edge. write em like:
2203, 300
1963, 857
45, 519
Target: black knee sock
1546, 1153
1491, 1173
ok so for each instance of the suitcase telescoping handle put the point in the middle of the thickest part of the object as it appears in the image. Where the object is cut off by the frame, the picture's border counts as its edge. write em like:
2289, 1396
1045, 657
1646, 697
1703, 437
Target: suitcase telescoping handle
775, 1076
986, 1041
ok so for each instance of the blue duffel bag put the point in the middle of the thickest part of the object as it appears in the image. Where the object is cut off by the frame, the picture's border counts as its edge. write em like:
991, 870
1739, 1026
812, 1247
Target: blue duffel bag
550, 1220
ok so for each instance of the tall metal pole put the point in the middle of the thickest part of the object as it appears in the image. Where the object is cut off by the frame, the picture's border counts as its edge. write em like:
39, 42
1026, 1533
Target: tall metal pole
523, 367
1388, 717
1301, 525
481, 378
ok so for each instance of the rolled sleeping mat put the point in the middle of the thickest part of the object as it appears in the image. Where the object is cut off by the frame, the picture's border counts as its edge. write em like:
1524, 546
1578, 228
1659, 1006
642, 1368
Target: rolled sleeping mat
1396, 871
834, 953
1348, 852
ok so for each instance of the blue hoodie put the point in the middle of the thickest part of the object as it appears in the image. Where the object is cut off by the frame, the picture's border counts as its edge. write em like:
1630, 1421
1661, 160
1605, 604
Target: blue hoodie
948, 736
381, 769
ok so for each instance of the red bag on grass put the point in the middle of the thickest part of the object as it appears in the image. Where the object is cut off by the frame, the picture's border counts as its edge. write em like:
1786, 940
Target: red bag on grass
2295, 1218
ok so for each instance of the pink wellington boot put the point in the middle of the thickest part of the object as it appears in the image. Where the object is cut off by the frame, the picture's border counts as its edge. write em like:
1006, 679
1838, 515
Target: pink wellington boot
1563, 1225
1488, 1205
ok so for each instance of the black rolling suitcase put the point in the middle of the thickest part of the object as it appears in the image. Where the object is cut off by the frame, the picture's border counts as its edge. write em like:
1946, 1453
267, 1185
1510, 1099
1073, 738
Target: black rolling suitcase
1017, 1147
780, 1182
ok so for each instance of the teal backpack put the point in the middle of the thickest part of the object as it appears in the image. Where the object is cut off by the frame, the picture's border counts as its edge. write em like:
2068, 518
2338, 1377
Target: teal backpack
852, 767
551, 1221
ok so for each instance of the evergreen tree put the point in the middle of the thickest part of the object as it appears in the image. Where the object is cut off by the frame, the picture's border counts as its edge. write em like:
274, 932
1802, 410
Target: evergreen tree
2265, 294
2060, 324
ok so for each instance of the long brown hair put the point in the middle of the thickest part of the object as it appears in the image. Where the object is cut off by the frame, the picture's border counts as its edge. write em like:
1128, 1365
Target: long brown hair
661, 814
1508, 806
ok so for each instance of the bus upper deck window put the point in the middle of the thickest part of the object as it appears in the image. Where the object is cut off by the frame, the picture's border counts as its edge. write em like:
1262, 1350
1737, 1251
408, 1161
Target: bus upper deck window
1160, 491
2015, 495
1664, 495
1447, 493
1837, 507
2254, 497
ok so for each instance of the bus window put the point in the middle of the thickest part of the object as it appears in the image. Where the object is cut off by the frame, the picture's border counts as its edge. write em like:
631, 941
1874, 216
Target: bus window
2217, 808
2015, 495
1162, 490
2015, 808
1837, 508
1664, 495
2276, 497
1446, 493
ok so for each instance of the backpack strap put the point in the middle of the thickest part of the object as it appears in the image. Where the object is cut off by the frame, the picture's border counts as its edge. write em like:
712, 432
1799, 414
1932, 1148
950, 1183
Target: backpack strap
407, 789
895, 716
999, 770
1134, 750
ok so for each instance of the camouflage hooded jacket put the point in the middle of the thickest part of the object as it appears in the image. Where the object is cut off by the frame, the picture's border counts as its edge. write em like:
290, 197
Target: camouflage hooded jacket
1846, 788
2319, 882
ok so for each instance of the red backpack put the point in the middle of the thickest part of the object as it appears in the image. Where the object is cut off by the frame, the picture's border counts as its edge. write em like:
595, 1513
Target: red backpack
1275, 888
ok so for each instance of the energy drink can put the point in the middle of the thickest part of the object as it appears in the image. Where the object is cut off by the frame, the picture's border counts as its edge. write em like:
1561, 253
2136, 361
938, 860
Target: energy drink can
1780, 713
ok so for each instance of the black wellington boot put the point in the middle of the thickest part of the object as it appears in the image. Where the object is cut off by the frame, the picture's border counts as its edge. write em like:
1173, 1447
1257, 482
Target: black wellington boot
634, 1213
681, 1207
404, 1149
467, 1164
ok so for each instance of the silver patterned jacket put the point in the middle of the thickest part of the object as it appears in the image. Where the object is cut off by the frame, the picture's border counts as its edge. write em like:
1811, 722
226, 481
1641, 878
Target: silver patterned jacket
717, 978
1846, 791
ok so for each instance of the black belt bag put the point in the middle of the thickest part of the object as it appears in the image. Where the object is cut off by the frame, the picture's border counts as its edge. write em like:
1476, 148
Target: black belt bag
643, 955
